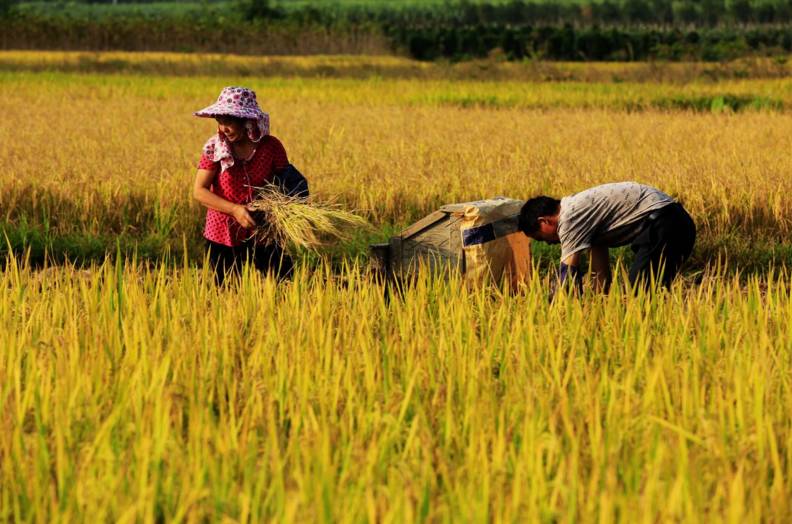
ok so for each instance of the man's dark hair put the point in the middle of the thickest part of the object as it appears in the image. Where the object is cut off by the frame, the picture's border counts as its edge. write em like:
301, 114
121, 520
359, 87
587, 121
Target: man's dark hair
541, 206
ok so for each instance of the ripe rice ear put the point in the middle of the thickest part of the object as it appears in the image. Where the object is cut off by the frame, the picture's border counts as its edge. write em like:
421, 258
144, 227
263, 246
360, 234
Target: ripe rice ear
296, 222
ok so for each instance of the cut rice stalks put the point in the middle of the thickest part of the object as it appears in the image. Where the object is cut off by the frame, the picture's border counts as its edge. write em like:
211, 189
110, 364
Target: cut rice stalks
294, 222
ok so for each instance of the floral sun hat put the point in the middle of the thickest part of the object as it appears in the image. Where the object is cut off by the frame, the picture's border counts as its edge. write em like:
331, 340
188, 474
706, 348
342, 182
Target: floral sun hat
238, 102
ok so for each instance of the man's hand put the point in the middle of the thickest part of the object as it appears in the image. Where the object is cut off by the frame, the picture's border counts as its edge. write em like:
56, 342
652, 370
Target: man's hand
569, 274
242, 216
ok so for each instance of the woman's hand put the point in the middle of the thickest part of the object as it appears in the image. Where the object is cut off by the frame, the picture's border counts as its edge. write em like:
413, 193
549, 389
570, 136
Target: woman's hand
242, 216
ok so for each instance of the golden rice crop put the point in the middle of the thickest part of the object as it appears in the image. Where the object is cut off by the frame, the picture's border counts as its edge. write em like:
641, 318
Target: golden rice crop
126, 148
142, 394
387, 66
136, 391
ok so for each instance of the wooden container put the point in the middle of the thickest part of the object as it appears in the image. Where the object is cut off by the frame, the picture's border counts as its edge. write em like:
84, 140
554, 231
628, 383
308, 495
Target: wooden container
481, 240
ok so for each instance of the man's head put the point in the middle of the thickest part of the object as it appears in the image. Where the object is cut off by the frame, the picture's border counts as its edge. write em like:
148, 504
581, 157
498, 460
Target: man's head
539, 219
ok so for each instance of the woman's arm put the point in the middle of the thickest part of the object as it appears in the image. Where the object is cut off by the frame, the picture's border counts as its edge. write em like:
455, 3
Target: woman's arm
201, 192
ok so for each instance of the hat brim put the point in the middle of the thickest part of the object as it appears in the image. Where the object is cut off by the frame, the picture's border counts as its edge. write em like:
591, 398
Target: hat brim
218, 109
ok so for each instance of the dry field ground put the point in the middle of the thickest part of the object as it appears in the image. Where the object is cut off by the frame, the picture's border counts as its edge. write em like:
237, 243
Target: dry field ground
131, 389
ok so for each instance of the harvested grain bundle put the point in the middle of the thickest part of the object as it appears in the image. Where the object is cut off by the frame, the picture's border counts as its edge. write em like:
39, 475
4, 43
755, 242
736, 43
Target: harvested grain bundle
291, 221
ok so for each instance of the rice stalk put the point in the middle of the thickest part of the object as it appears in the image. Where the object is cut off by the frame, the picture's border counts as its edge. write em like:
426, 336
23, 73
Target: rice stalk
294, 222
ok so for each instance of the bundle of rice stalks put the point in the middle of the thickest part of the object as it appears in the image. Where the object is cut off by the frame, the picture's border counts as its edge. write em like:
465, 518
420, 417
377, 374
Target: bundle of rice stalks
291, 221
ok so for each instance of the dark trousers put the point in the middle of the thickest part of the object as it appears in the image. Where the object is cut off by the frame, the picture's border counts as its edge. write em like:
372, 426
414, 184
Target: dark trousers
661, 247
228, 261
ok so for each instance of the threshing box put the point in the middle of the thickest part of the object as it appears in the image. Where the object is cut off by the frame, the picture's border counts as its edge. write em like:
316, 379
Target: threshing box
479, 239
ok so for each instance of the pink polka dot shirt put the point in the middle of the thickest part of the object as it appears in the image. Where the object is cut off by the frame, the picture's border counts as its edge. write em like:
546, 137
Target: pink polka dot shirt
236, 184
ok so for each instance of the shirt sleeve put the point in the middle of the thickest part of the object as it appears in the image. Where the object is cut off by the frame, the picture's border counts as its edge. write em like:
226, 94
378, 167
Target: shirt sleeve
570, 246
279, 157
207, 163
576, 229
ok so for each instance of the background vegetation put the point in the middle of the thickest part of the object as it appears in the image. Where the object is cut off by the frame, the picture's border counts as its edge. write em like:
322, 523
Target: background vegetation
628, 30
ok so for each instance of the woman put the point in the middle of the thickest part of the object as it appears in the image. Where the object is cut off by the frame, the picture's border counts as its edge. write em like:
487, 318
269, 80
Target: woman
239, 158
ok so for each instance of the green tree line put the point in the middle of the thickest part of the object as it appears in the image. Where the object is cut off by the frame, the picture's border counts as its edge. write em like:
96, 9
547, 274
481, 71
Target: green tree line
627, 30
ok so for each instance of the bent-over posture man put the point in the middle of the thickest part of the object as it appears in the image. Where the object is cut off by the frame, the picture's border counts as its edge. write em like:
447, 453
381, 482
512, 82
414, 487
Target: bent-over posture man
660, 231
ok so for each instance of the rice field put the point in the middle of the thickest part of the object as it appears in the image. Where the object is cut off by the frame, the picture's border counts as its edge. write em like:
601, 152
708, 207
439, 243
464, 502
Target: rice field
132, 389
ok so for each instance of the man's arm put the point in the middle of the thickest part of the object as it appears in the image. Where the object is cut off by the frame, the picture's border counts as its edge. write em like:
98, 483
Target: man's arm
600, 267
570, 269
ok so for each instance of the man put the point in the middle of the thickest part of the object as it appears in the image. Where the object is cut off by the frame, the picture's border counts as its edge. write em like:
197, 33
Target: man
660, 230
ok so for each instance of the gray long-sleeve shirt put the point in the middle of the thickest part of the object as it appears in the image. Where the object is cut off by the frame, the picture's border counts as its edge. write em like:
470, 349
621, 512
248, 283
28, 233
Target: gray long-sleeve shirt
609, 215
